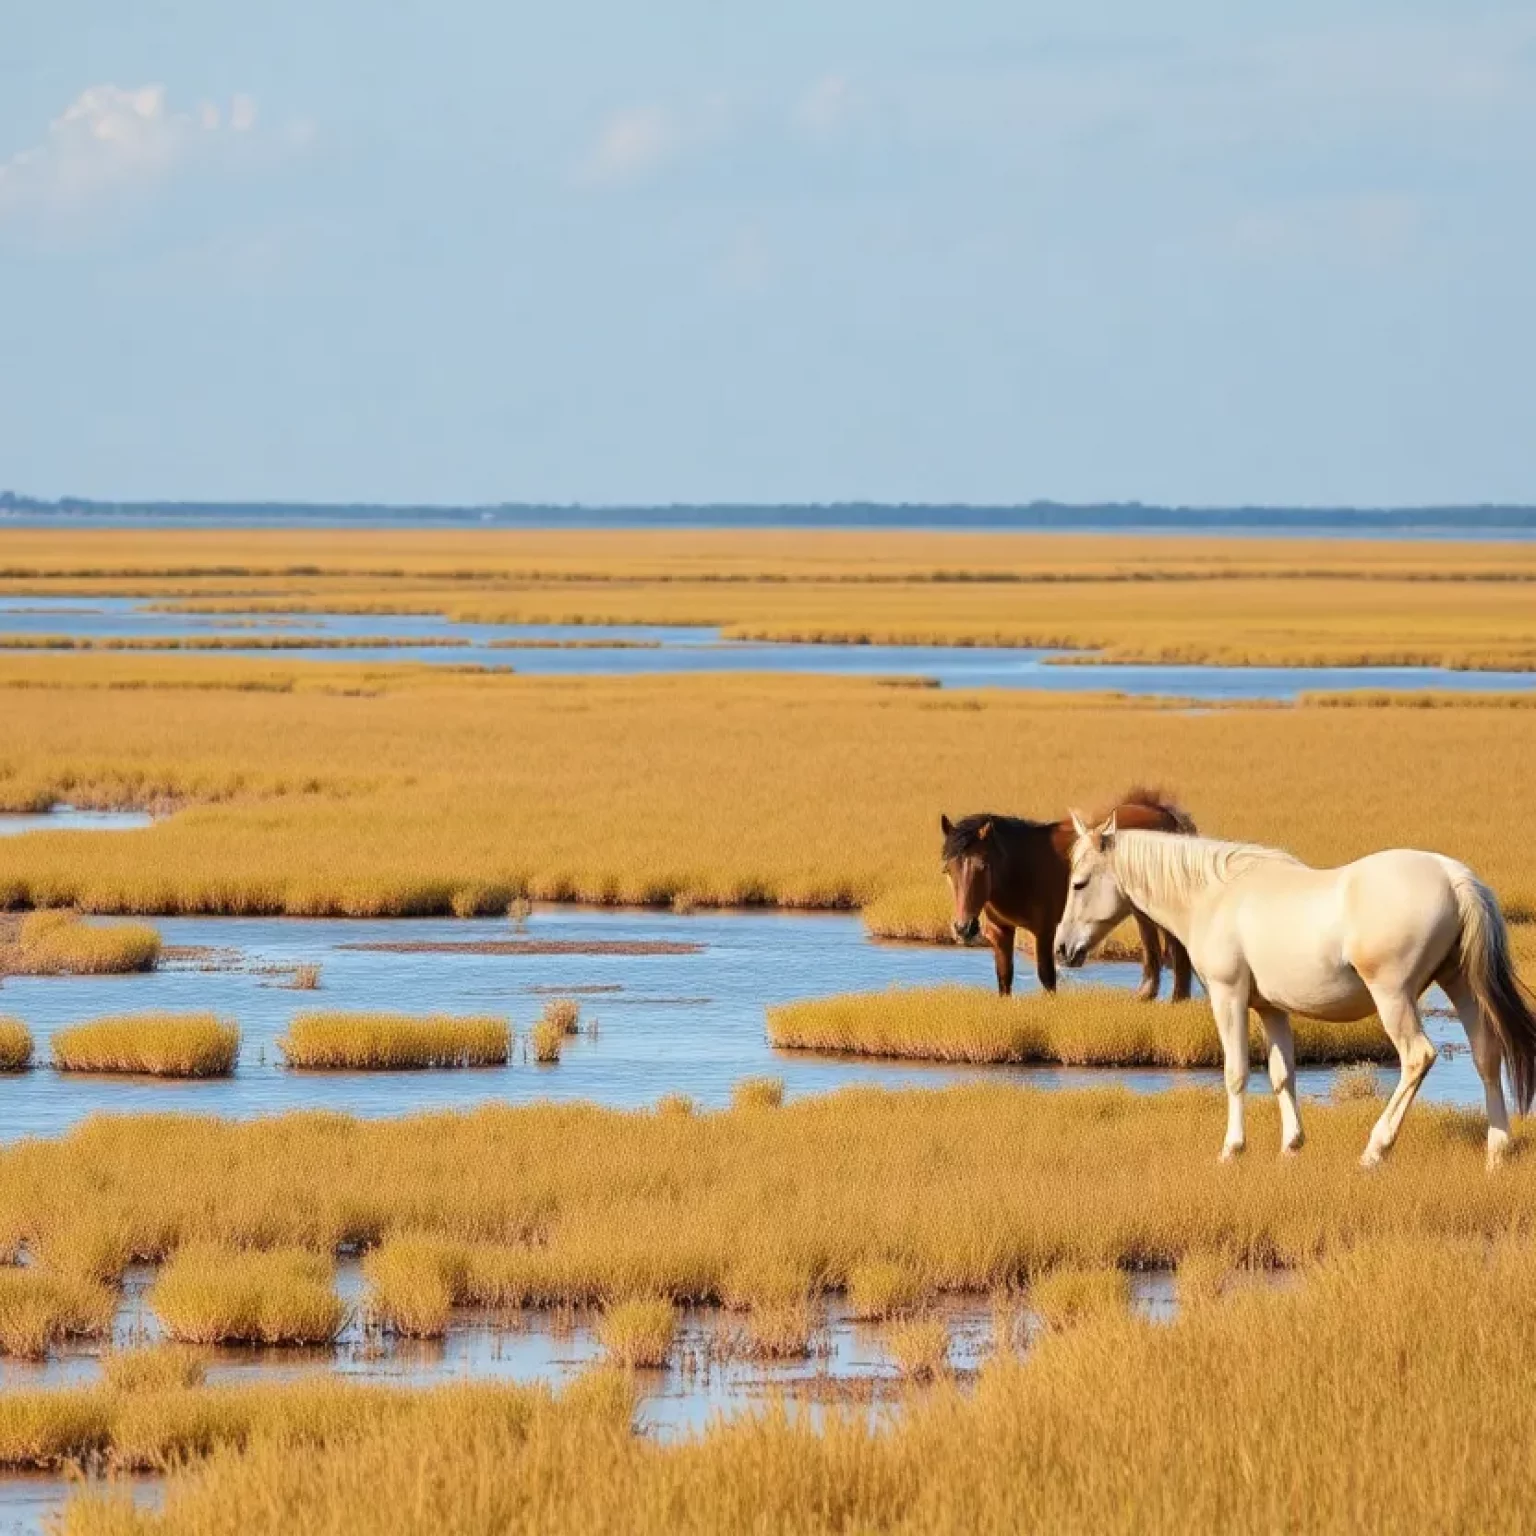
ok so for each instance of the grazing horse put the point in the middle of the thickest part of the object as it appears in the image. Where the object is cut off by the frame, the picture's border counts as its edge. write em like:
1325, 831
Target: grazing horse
1007, 873
1268, 932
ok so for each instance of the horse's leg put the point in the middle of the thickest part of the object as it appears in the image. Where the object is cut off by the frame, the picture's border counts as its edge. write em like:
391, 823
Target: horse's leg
1183, 971
1489, 1056
1282, 1074
1045, 956
1000, 937
1229, 1003
1151, 958
1399, 1011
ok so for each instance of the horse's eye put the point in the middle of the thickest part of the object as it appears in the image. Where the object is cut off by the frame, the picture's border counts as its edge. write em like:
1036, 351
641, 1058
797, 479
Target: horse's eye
1080, 885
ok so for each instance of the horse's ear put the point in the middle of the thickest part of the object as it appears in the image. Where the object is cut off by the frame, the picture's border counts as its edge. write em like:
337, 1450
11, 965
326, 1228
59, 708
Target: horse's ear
1079, 826
1106, 833
984, 831
946, 826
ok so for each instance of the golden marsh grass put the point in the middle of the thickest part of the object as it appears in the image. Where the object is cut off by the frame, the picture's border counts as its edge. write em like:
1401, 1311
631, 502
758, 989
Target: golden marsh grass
212, 1294
15, 1045
37, 1310
157, 1426
55, 943
1326, 1407
1066, 1296
638, 1332
564, 1013
920, 1347
322, 803
1079, 1026
395, 1041
758, 1093
971, 1188
153, 1368
160, 1044
548, 1039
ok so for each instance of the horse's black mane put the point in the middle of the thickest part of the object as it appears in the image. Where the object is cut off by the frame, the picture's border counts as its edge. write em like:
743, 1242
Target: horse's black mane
965, 835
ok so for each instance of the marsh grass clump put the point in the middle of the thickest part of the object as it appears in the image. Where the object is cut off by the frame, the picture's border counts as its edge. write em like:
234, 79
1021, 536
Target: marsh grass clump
38, 1309
1084, 1026
210, 1294
160, 1044
15, 1045
153, 1368
564, 1013
1064, 1297
62, 943
781, 1329
395, 1041
676, 1106
519, 910
758, 1093
1355, 1083
414, 1282
305, 978
547, 1038
920, 1347
884, 1289
638, 1333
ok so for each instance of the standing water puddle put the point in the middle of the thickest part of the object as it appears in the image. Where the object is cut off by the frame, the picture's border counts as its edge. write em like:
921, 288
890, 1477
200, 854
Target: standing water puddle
670, 1004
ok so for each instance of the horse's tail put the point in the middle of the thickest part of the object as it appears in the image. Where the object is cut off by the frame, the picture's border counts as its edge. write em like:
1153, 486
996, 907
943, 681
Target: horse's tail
1502, 999
1159, 800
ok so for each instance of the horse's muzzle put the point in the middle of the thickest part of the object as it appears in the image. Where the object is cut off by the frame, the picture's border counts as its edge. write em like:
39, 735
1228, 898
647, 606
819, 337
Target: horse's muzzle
968, 931
1072, 955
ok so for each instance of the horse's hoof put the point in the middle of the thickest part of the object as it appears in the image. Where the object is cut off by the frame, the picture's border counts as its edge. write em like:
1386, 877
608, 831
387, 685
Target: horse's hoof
1146, 994
1498, 1151
1230, 1154
1370, 1158
1293, 1148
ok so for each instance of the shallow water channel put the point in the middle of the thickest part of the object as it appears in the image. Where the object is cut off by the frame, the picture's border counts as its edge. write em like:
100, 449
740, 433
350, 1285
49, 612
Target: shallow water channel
616, 649
670, 1003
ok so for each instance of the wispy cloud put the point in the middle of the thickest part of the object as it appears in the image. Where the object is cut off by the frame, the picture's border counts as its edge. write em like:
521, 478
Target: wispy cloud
109, 142
632, 143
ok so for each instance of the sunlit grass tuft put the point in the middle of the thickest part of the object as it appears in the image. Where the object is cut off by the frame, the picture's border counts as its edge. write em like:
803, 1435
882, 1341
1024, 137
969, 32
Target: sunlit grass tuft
414, 1280
306, 978
547, 1038
15, 1045
920, 1347
394, 1041
1064, 1297
678, 1105
1083, 1026
160, 1044
210, 1294
153, 1368
638, 1332
1354, 1083
564, 1013
884, 1289
38, 1309
758, 1093
61, 943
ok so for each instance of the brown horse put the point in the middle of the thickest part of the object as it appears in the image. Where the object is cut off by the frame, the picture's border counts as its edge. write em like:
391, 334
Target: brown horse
1008, 873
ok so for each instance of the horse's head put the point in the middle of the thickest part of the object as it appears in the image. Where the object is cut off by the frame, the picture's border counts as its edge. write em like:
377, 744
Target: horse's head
1095, 902
968, 849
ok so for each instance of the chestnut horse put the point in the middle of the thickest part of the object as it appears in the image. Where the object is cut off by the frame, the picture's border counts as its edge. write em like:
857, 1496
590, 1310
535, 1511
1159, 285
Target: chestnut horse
1008, 873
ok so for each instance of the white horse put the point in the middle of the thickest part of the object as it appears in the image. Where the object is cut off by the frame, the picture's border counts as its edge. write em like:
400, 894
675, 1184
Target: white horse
1267, 932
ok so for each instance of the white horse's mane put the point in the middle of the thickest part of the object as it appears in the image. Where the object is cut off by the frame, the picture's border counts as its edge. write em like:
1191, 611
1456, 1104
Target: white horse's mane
1175, 867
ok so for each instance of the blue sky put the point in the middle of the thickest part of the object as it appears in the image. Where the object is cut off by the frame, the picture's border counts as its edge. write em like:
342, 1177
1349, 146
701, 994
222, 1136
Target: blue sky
989, 251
